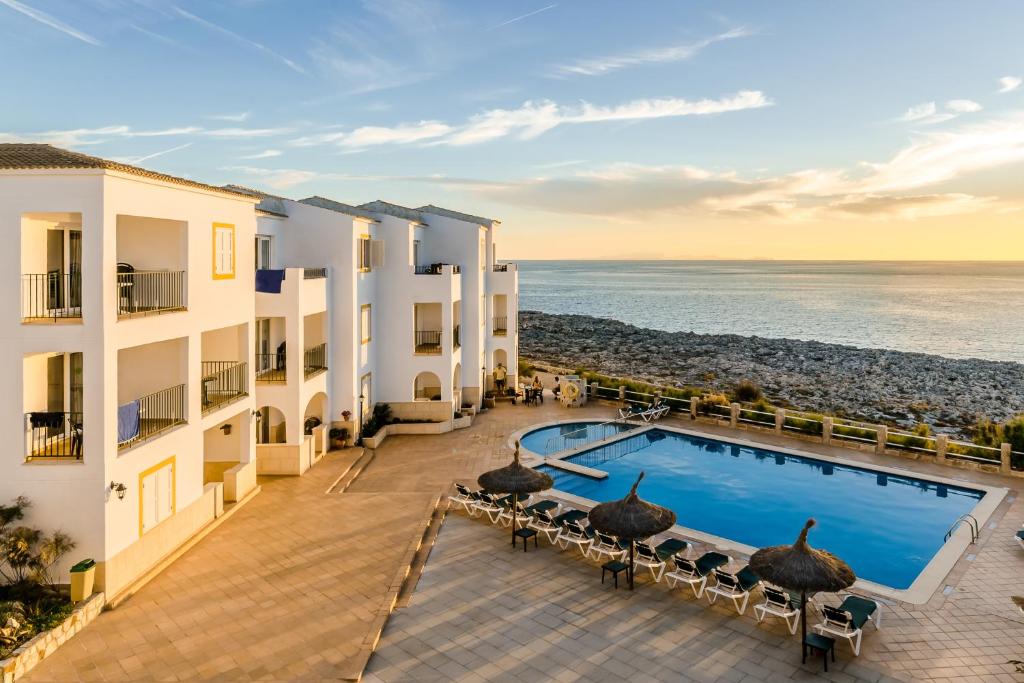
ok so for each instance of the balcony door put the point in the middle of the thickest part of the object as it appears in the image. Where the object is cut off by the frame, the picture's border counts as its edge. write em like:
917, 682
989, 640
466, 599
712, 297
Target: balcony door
263, 245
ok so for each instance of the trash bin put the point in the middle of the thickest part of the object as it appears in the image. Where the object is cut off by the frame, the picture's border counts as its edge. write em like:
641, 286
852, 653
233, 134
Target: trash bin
83, 575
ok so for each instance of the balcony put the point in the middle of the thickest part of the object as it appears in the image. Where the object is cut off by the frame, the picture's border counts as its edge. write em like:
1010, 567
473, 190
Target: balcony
314, 360
150, 415
149, 292
457, 337
271, 368
224, 381
500, 326
504, 267
51, 435
314, 273
437, 269
428, 341
51, 296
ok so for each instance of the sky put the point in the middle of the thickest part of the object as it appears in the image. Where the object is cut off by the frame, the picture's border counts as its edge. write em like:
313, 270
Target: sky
591, 128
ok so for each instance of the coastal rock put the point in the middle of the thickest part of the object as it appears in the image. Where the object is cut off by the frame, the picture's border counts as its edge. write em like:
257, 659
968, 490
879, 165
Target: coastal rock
875, 385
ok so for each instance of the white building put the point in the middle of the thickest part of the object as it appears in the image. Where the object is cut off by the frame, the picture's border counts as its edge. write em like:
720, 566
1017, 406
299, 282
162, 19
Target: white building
167, 340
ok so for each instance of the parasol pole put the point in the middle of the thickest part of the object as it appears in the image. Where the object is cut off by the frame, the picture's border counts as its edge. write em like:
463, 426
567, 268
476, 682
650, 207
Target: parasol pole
803, 619
631, 544
515, 505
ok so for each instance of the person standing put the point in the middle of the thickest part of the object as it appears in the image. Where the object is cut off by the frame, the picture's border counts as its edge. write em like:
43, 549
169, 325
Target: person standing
538, 388
500, 378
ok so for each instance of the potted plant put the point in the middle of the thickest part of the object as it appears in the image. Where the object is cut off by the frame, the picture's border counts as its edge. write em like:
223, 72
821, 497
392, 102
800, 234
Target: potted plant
339, 437
346, 415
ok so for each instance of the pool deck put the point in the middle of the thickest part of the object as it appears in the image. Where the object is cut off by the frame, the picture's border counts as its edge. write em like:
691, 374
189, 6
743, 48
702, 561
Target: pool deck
291, 588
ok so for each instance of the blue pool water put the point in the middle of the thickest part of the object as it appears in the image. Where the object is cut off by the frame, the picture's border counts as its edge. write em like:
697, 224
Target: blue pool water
886, 527
570, 435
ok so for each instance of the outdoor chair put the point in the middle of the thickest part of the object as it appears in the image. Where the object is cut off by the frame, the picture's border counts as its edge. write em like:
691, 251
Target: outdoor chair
464, 498
573, 533
549, 506
736, 587
486, 504
630, 410
570, 516
543, 523
656, 558
523, 516
848, 620
1020, 538
778, 604
605, 546
695, 573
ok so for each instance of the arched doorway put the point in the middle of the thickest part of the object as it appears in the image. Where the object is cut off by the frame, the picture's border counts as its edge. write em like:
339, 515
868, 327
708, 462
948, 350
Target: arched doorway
315, 413
427, 387
270, 426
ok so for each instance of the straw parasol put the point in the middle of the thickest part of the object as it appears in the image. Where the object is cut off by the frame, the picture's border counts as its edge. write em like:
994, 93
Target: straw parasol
516, 479
799, 567
631, 518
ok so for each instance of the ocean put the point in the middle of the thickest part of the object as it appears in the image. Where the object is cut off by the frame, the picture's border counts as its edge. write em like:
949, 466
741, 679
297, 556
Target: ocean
954, 309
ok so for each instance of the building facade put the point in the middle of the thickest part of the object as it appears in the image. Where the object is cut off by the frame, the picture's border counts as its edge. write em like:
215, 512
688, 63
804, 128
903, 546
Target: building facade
169, 340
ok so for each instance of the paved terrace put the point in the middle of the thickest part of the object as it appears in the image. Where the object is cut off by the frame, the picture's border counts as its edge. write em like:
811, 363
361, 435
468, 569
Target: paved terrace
288, 588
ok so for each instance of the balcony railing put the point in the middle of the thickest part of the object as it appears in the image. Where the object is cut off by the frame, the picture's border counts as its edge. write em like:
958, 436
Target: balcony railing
314, 273
146, 417
428, 341
501, 267
271, 367
457, 336
145, 292
436, 269
500, 325
53, 435
51, 296
223, 381
315, 360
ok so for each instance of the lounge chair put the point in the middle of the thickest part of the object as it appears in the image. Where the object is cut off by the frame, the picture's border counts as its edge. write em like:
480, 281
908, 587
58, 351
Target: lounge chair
1020, 538
489, 505
656, 558
847, 620
570, 516
573, 533
630, 410
736, 587
605, 546
523, 516
543, 523
463, 497
778, 604
548, 506
695, 573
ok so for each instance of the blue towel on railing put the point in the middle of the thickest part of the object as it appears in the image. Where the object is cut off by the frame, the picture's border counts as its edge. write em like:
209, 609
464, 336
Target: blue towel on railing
269, 281
127, 421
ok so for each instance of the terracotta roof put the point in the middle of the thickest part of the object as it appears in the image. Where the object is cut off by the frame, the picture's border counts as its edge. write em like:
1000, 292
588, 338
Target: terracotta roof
331, 205
40, 156
458, 215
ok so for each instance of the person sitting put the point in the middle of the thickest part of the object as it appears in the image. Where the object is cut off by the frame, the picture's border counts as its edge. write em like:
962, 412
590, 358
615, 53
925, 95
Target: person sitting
538, 388
557, 388
500, 378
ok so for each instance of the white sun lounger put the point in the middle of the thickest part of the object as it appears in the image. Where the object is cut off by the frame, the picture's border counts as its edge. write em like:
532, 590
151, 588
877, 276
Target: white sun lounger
778, 604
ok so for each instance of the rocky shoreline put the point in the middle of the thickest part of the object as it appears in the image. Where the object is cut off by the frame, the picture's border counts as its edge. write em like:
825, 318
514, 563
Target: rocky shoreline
874, 385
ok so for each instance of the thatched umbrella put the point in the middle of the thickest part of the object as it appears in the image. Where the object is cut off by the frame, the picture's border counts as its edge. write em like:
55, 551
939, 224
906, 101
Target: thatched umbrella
516, 479
799, 567
631, 518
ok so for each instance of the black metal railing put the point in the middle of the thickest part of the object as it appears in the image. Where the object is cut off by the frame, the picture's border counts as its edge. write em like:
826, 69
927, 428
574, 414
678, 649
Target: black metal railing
271, 367
146, 417
314, 273
315, 360
501, 267
53, 435
150, 291
50, 296
501, 325
457, 336
436, 269
428, 341
223, 381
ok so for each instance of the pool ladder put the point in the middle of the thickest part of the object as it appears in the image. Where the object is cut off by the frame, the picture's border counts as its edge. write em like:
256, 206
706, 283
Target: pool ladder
972, 524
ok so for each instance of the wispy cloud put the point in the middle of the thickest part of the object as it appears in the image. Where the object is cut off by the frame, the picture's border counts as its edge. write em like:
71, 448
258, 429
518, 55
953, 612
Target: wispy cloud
159, 37
242, 39
247, 132
928, 113
51, 21
531, 120
154, 155
523, 16
1009, 83
265, 154
675, 53
240, 117
78, 137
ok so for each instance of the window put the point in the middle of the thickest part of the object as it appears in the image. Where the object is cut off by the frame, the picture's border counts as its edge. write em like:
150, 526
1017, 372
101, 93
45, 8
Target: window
156, 495
364, 323
364, 253
223, 251
263, 243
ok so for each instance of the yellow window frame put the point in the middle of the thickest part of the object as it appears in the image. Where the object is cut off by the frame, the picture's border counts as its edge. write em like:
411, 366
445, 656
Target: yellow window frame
172, 461
234, 251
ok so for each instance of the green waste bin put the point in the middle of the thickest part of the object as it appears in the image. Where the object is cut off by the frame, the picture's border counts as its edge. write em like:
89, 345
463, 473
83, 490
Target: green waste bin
83, 575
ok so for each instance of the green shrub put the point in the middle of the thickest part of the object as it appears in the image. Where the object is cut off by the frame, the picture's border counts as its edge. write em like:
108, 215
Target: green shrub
854, 432
807, 423
988, 433
380, 417
920, 437
746, 392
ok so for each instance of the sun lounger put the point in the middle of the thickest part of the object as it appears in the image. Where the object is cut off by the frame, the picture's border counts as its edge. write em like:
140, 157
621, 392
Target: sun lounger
543, 523
463, 497
848, 620
736, 587
570, 516
777, 603
695, 573
523, 516
606, 546
549, 506
1020, 538
573, 533
487, 504
656, 558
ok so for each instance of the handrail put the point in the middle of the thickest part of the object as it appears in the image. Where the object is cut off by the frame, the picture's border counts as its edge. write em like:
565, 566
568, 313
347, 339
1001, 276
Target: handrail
972, 524
568, 436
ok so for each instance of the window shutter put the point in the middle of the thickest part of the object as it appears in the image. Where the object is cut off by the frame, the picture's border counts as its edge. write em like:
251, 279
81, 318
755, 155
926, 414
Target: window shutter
377, 253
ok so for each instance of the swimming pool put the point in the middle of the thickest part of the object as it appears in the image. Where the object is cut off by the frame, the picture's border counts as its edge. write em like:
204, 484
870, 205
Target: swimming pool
559, 437
887, 526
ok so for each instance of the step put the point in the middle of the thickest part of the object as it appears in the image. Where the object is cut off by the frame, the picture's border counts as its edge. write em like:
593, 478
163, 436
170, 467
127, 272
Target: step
349, 474
419, 560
